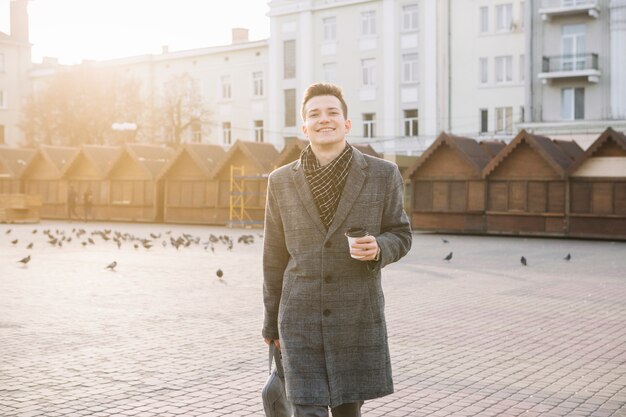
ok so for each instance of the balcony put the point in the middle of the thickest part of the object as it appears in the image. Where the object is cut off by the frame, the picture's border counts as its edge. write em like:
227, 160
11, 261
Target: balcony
570, 66
557, 8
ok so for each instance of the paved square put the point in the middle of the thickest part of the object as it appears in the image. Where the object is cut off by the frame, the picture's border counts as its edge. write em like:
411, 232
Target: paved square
481, 335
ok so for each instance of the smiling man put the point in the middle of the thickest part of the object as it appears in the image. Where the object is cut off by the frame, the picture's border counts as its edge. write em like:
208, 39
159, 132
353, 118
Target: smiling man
324, 305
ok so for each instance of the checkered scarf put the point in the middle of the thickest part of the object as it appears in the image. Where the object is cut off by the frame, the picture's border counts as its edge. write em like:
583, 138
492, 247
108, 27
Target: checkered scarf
327, 181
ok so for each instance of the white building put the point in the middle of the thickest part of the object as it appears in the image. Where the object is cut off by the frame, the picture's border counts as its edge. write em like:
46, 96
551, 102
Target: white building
15, 63
232, 80
487, 68
371, 49
577, 86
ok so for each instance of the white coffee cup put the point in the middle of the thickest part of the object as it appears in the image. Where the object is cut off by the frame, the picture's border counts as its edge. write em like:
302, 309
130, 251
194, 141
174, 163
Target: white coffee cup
353, 234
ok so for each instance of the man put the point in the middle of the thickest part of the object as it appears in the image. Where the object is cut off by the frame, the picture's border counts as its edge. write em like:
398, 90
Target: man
72, 197
323, 308
87, 204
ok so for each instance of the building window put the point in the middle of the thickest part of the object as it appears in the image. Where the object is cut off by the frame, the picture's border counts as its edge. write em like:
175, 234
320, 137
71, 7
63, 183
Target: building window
330, 72
258, 131
2, 135
257, 84
504, 17
227, 133
410, 123
409, 68
573, 47
484, 120
409, 17
368, 67
330, 29
3, 104
226, 92
1, 62
369, 123
504, 69
483, 71
504, 119
290, 107
521, 15
484, 19
522, 68
368, 23
289, 53
573, 103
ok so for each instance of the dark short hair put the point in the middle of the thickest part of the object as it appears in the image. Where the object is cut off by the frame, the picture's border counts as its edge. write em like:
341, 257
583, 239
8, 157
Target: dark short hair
323, 89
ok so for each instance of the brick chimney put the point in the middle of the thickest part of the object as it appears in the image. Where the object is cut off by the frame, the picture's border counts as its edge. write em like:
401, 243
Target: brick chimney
19, 20
240, 35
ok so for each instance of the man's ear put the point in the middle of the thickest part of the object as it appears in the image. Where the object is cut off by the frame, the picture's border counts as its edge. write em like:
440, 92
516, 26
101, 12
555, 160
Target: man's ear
304, 130
348, 125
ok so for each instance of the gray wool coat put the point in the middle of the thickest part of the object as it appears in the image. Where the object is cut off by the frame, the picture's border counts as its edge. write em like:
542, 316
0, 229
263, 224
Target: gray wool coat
327, 308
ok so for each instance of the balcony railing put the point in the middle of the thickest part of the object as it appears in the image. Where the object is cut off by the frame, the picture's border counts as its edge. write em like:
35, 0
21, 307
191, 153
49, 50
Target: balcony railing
570, 66
555, 8
570, 62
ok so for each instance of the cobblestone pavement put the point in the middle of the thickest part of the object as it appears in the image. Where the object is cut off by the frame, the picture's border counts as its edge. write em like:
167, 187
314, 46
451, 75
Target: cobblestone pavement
481, 335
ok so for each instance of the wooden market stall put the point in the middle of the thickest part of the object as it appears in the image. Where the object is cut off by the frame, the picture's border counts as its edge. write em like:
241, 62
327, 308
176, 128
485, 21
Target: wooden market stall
597, 206
89, 171
45, 177
526, 186
136, 194
190, 192
447, 185
13, 163
242, 183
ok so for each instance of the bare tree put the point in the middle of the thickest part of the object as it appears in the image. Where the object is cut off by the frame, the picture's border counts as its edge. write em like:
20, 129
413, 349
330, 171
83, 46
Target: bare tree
79, 105
182, 108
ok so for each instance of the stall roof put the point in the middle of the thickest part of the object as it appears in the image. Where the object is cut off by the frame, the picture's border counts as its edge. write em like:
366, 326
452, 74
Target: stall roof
551, 152
16, 160
60, 157
153, 158
609, 135
102, 157
205, 155
477, 155
262, 155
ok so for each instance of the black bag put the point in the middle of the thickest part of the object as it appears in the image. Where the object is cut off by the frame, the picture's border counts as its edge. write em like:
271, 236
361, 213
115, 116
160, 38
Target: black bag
275, 401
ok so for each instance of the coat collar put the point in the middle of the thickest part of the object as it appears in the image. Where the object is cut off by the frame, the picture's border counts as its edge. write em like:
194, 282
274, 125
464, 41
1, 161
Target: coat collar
351, 190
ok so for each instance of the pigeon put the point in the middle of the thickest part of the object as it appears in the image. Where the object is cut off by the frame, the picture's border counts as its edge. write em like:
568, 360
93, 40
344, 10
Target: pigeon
445, 241
25, 261
219, 273
568, 257
447, 258
111, 266
34, 231
15, 241
523, 261
7, 232
30, 245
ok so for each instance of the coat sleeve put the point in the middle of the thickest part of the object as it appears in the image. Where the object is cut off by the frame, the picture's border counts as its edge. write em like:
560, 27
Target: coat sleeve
275, 258
395, 236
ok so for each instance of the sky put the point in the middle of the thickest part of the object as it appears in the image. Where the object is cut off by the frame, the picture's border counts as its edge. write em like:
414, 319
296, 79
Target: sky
73, 30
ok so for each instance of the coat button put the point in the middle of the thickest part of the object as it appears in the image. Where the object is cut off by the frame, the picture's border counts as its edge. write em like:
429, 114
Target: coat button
326, 313
329, 278
327, 245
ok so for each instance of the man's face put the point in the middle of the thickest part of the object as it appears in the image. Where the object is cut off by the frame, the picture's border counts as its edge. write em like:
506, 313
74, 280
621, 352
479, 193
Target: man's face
324, 123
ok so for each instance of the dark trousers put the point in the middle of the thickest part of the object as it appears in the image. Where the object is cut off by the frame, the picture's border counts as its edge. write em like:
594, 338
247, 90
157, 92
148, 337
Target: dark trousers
343, 410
